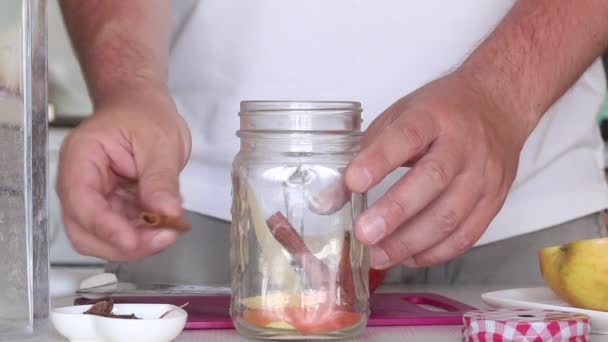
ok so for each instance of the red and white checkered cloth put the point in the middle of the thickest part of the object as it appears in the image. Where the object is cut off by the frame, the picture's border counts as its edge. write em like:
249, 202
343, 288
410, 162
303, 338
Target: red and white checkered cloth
522, 325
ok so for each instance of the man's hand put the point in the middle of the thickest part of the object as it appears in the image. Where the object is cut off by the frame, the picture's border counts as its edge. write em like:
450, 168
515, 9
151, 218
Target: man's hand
126, 158
464, 152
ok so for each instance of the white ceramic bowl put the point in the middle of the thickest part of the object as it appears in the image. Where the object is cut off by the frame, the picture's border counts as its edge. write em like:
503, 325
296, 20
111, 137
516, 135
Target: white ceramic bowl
78, 327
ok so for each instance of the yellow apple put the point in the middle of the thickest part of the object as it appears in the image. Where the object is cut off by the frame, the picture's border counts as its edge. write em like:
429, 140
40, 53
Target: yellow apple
578, 272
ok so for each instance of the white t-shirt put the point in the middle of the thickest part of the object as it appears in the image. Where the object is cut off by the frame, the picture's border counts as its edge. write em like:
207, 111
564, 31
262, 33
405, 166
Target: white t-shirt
226, 51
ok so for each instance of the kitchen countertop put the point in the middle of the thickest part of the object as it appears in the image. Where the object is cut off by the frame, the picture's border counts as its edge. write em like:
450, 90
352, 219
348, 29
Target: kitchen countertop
469, 295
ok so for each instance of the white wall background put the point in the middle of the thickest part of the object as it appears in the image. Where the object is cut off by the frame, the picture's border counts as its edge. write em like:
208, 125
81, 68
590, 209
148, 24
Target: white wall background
67, 89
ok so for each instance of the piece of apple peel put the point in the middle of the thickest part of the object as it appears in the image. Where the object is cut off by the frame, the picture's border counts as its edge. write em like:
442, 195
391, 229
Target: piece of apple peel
308, 313
577, 272
280, 325
285, 300
307, 321
277, 302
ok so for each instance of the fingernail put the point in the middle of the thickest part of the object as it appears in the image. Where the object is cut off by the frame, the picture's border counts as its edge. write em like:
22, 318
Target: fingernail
362, 179
167, 203
378, 258
373, 228
161, 240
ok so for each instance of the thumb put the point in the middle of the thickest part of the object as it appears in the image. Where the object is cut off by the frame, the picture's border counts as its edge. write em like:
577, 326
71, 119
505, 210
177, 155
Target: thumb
159, 185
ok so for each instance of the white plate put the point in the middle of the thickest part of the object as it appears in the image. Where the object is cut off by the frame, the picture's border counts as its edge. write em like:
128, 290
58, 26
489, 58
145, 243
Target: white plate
77, 327
543, 298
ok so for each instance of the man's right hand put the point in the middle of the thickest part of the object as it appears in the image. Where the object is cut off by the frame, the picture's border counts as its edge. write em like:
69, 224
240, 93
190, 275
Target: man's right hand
125, 159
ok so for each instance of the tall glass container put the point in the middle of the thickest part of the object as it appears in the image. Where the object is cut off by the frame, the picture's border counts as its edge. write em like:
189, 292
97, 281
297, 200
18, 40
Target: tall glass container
24, 262
297, 270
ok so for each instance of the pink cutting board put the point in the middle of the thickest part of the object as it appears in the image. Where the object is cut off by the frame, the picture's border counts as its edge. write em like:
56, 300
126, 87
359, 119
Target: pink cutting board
386, 309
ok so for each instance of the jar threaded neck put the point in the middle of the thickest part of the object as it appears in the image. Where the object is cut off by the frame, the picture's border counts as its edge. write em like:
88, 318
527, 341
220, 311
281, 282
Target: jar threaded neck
300, 116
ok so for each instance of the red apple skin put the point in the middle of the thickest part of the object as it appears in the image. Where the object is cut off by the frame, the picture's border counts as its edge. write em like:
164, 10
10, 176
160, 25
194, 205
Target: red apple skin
375, 279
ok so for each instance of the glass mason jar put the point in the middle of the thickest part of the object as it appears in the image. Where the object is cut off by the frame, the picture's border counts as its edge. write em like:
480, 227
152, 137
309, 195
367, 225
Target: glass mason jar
297, 270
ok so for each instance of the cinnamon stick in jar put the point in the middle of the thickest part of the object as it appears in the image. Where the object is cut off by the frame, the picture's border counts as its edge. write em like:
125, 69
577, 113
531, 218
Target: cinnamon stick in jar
316, 270
345, 275
156, 220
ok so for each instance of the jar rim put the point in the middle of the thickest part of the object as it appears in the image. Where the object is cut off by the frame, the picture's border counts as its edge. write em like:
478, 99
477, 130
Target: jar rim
281, 106
282, 133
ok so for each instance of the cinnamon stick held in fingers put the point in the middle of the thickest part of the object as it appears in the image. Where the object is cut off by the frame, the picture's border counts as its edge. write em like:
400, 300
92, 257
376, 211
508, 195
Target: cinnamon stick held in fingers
166, 221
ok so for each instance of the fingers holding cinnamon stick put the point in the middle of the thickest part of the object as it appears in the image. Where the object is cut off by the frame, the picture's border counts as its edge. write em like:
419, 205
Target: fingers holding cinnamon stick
156, 220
